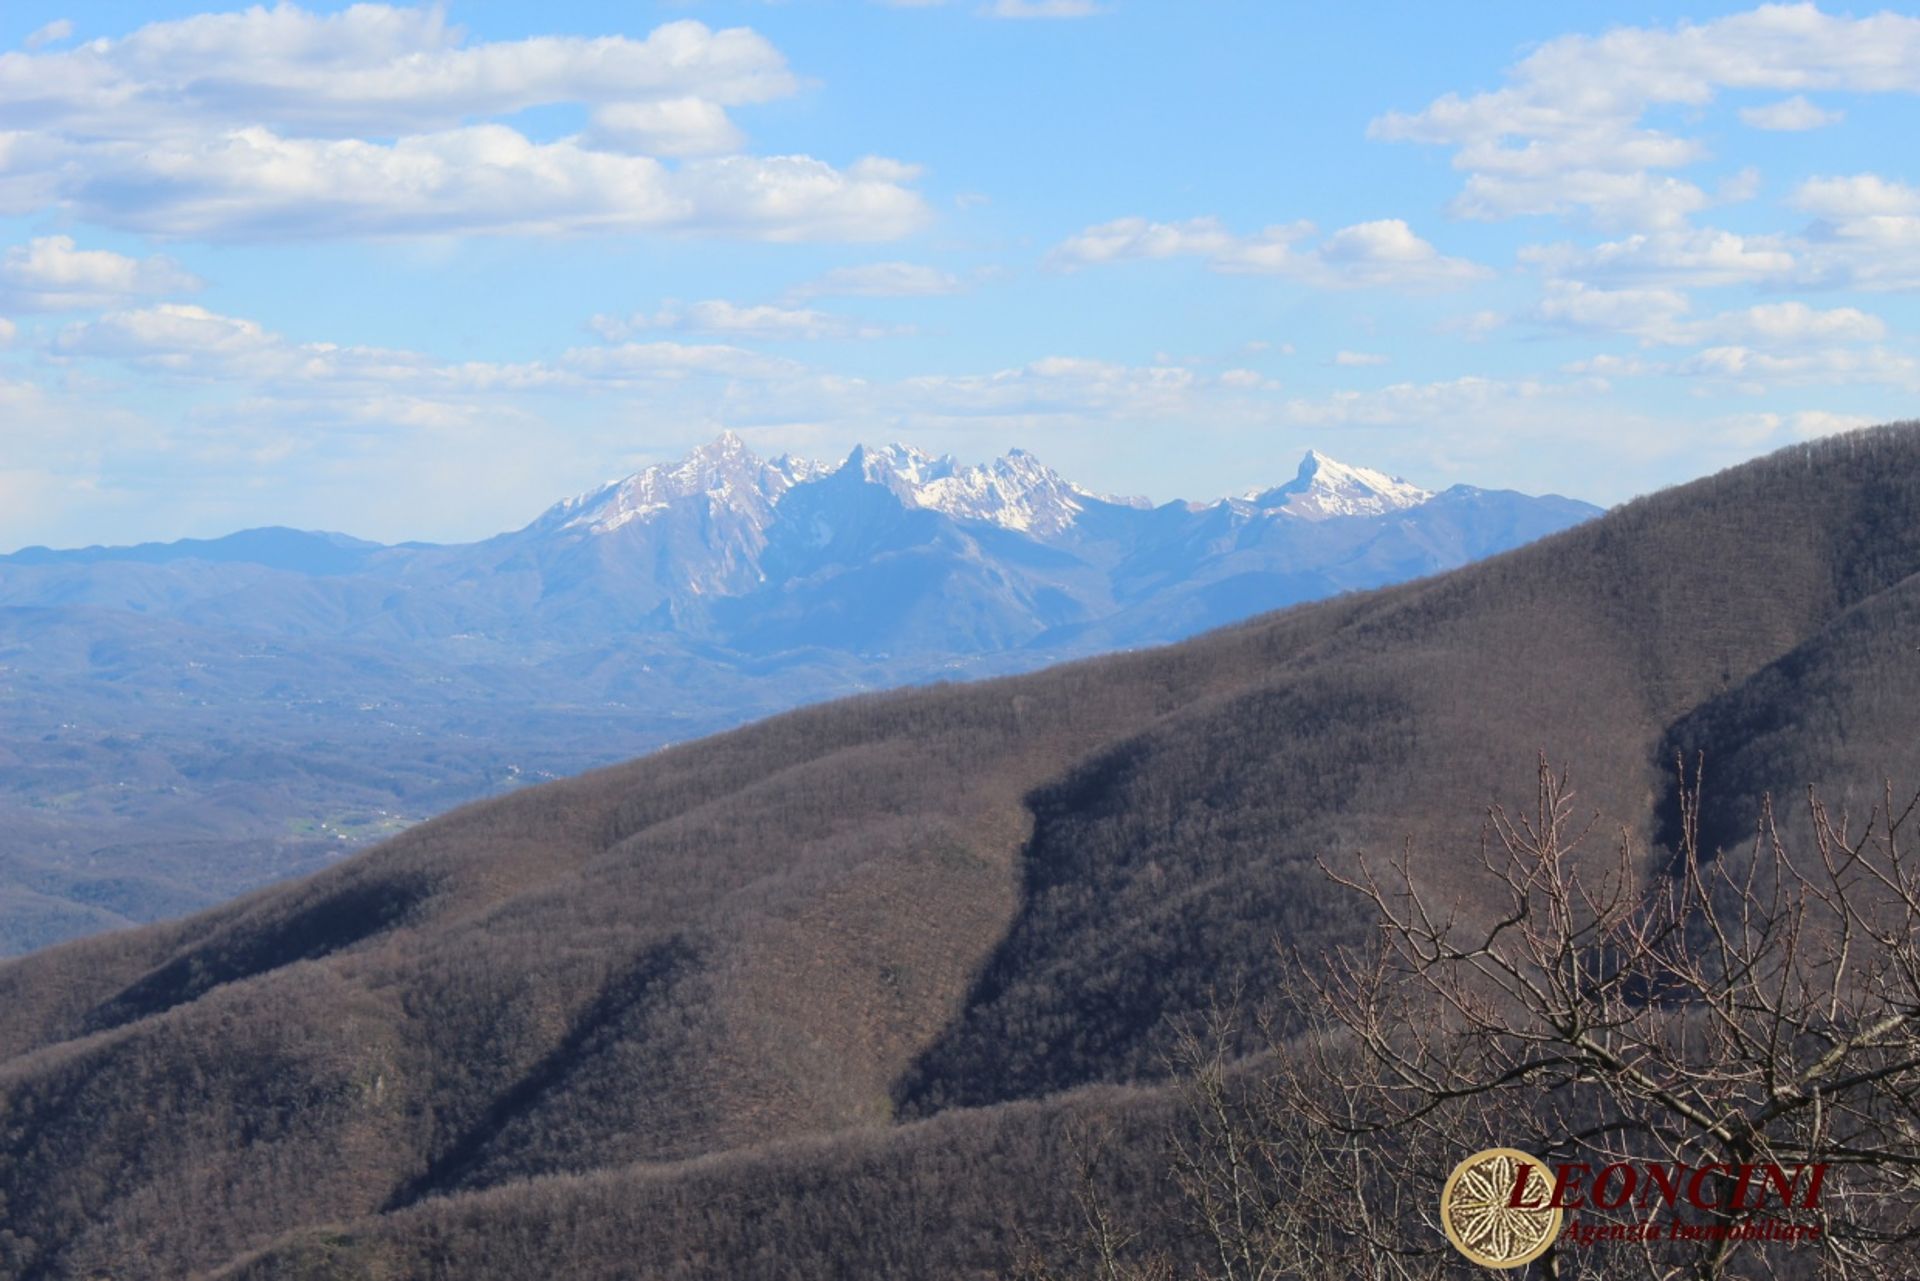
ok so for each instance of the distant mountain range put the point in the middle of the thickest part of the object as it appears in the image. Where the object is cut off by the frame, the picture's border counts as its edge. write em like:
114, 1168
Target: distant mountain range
883, 987
188, 719
892, 552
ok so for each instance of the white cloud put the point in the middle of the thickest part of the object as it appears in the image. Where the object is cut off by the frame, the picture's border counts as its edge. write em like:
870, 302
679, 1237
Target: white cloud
267, 405
1791, 115
644, 362
1386, 252
1820, 422
56, 445
1042, 9
881, 280
1660, 317
1578, 306
1612, 200
253, 184
192, 342
1877, 253
49, 273
8, 332
179, 337
884, 169
1788, 324
332, 425
1862, 195
1383, 252
1747, 369
1567, 132
1358, 359
1834, 365
1607, 366
1579, 151
1475, 326
1404, 404
1867, 236
52, 33
1700, 257
1125, 238
348, 438
380, 121
83, 467
1085, 367
717, 316
189, 342
1749, 430
1737, 188
668, 127
1052, 389
369, 69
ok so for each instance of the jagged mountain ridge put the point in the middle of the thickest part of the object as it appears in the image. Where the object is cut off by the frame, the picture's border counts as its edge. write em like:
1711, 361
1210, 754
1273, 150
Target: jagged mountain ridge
1015, 491
719, 547
1325, 488
667, 1018
191, 719
1035, 552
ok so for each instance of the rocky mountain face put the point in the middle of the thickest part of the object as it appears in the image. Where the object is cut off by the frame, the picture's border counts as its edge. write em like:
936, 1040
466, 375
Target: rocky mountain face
190, 719
897, 552
849, 992
1324, 489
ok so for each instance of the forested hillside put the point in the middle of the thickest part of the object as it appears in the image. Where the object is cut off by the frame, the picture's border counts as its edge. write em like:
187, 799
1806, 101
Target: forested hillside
801, 999
182, 722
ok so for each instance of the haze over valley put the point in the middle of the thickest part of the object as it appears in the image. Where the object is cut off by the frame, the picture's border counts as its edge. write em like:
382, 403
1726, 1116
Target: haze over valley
200, 717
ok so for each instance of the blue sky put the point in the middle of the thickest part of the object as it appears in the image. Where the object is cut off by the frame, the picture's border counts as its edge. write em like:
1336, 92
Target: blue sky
418, 272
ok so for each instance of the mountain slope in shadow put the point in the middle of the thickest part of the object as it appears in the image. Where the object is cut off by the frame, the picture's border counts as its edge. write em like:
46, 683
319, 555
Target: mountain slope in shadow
740, 964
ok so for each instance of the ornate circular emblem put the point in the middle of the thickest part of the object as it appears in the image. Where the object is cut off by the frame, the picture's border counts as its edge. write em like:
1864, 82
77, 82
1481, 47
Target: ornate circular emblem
1478, 1212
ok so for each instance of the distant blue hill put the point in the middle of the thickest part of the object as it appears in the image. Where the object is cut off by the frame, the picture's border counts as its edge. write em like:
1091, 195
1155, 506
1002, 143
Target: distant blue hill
181, 721
276, 547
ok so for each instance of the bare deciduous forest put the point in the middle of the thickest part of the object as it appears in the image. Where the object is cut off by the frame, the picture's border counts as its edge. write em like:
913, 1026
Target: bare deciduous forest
903, 985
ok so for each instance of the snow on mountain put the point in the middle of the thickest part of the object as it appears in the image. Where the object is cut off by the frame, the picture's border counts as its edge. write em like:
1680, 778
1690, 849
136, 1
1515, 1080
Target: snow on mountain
902, 468
1139, 502
1325, 488
725, 473
1016, 491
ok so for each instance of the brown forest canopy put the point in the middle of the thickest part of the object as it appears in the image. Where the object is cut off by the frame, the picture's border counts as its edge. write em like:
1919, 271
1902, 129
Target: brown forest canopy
788, 1001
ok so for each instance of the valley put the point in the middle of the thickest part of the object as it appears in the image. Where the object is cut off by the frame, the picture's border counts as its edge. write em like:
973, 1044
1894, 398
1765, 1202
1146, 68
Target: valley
190, 720
857, 966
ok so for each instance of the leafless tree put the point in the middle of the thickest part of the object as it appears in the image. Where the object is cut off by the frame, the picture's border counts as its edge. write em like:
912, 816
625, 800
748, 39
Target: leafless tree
1720, 1012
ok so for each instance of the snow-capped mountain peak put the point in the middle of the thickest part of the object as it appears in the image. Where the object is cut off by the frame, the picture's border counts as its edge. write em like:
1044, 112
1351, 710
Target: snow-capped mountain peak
724, 472
1015, 491
1324, 488
902, 468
